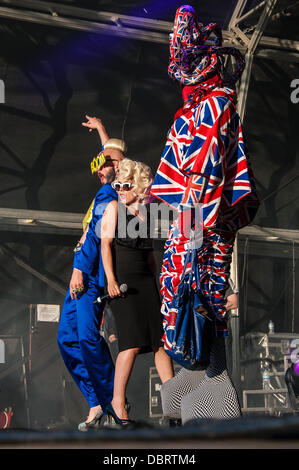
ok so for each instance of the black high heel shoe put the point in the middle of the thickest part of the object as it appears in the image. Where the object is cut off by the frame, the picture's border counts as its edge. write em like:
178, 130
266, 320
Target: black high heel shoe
115, 421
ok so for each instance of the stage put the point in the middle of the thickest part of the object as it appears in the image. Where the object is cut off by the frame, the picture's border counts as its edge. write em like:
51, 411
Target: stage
62, 60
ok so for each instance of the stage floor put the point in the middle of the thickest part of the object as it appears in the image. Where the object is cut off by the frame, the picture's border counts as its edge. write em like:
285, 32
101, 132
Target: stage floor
250, 432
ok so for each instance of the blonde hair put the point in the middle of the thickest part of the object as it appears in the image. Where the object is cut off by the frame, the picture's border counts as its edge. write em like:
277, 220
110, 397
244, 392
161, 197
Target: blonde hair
140, 175
116, 144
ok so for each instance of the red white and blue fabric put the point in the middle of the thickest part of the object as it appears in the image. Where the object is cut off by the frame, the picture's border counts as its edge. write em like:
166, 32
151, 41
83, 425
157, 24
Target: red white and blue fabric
188, 68
192, 60
205, 161
204, 164
214, 259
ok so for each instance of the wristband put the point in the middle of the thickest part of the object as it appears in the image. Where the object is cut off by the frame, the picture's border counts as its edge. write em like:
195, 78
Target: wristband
78, 247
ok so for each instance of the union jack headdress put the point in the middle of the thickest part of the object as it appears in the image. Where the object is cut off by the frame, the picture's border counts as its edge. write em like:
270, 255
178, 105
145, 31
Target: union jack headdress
205, 159
192, 61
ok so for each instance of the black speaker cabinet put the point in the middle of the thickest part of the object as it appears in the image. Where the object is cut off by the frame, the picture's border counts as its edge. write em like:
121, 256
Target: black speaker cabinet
45, 369
13, 381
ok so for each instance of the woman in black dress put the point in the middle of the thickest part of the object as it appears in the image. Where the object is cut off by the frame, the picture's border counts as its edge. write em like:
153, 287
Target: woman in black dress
128, 257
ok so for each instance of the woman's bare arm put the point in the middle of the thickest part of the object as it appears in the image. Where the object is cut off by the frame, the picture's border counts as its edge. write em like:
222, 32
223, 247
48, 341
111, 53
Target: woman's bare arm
108, 227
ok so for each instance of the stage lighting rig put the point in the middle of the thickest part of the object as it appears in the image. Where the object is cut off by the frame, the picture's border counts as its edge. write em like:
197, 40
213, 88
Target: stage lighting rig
292, 381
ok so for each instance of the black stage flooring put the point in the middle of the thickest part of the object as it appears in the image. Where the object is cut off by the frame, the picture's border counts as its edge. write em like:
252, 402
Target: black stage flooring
254, 432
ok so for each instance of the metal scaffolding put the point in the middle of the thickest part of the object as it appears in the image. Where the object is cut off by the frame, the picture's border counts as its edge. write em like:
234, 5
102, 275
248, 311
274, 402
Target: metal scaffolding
251, 42
142, 29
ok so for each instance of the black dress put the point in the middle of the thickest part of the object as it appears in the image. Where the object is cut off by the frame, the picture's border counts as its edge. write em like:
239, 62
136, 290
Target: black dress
137, 316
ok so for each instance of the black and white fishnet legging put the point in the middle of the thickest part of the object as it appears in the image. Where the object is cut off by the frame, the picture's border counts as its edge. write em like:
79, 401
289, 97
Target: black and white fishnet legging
206, 394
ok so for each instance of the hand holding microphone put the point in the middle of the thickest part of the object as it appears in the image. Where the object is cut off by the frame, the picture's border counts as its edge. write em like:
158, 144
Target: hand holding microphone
122, 290
113, 288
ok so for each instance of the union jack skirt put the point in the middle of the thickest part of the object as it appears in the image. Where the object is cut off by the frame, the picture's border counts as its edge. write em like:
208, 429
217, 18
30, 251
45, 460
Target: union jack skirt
214, 259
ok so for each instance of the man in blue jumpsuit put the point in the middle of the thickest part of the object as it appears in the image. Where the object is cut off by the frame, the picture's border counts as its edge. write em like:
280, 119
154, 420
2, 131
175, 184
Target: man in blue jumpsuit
84, 351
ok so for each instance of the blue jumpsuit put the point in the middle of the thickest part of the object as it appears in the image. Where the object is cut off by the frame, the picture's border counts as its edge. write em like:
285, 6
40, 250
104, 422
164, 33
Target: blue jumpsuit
83, 349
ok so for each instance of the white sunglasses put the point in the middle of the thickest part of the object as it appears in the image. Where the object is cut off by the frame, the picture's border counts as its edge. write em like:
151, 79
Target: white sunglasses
126, 186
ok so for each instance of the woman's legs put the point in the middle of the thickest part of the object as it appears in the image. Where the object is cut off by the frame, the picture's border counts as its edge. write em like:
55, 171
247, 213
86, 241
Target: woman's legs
93, 411
123, 368
163, 364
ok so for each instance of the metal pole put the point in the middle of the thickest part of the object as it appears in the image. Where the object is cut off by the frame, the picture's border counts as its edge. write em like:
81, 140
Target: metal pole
144, 29
254, 41
242, 100
84, 25
294, 288
234, 321
260, 28
34, 272
25, 383
237, 12
234, 324
250, 12
244, 85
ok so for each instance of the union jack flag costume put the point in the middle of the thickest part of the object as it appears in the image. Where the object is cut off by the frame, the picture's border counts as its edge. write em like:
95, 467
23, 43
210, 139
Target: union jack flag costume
204, 164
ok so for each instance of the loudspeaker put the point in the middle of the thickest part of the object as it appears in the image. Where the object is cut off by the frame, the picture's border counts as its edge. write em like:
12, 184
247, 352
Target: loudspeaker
46, 399
13, 381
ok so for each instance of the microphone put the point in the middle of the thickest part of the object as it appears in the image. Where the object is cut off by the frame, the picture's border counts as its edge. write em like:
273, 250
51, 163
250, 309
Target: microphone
123, 289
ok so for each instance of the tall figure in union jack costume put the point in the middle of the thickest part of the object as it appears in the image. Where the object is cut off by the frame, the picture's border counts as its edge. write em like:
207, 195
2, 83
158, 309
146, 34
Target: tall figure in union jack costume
204, 165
